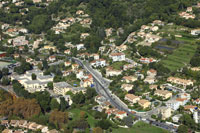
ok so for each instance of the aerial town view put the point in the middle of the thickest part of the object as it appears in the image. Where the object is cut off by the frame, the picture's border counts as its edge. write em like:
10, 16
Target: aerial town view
99, 66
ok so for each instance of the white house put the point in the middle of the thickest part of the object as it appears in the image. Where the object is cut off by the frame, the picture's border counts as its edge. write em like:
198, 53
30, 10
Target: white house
195, 32
98, 63
80, 46
127, 87
117, 57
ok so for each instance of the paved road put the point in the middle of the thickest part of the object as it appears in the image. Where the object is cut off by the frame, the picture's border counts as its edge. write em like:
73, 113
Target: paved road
102, 87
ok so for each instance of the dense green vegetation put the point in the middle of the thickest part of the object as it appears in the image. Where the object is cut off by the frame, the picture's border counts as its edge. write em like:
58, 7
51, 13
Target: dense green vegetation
180, 57
140, 127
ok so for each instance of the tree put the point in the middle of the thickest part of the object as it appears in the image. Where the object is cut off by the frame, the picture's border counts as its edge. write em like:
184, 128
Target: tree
63, 104
50, 85
128, 121
43, 99
5, 71
104, 124
34, 77
21, 107
79, 98
182, 129
58, 118
45, 64
5, 81
90, 93
54, 104
97, 130
1, 74
80, 124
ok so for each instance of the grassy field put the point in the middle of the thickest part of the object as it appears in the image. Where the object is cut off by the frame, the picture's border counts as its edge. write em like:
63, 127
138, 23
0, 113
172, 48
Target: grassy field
140, 127
90, 119
118, 65
180, 57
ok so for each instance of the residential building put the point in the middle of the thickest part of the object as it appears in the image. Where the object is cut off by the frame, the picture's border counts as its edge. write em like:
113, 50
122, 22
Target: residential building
163, 93
147, 60
150, 80
7, 131
152, 73
144, 103
117, 57
75, 67
80, 46
121, 114
67, 63
132, 98
30, 85
98, 63
121, 48
19, 41
67, 51
176, 118
127, 87
129, 66
129, 79
165, 112
52, 58
183, 82
111, 72
61, 88
195, 32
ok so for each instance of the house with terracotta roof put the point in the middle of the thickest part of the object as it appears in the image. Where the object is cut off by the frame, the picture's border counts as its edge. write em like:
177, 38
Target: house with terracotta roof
75, 67
147, 60
7, 131
152, 72
121, 48
4, 122
117, 57
157, 22
84, 36
14, 123
197, 101
22, 123
144, 103
190, 108
189, 9
163, 93
153, 87
132, 98
183, 82
52, 58
87, 83
95, 56
129, 66
121, 114
37, 1
129, 79
67, 63
67, 51
112, 72
127, 87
